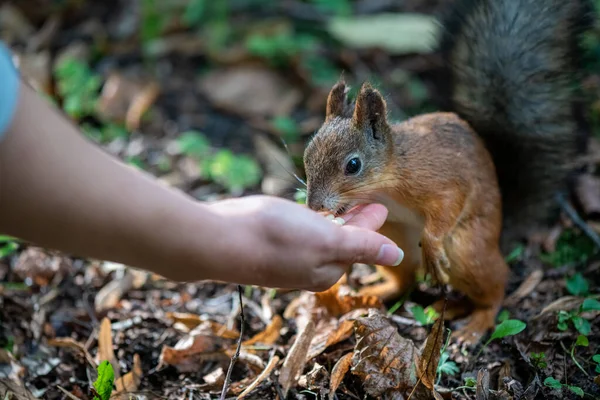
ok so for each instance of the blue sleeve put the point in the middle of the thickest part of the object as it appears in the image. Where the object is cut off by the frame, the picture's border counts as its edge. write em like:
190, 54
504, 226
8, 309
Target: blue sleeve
9, 89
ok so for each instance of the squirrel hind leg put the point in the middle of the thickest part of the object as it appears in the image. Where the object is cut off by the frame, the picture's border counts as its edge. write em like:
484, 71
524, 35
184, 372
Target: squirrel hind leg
480, 272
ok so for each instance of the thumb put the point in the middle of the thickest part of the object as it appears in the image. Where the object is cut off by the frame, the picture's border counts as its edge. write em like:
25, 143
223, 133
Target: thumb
356, 245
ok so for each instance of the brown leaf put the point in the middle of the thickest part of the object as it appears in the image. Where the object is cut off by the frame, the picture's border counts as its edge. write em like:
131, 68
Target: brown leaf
338, 300
330, 331
269, 335
566, 303
191, 321
130, 382
261, 377
250, 91
109, 296
430, 357
71, 343
338, 372
528, 286
482, 392
41, 266
105, 346
383, 360
296, 358
199, 344
504, 373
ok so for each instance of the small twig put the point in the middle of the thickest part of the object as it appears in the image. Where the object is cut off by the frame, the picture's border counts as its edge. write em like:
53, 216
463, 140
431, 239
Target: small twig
237, 350
577, 220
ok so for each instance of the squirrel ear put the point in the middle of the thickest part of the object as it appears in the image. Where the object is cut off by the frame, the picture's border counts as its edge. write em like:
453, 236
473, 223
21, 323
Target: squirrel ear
336, 101
370, 110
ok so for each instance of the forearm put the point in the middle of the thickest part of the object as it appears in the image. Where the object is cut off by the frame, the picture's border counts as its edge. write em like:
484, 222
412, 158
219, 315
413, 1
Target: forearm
61, 191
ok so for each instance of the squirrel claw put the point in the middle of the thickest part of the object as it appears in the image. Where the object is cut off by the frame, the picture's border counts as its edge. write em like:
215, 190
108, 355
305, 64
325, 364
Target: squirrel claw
479, 323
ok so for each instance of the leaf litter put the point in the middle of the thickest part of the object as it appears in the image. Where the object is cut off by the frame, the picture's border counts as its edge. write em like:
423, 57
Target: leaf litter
138, 95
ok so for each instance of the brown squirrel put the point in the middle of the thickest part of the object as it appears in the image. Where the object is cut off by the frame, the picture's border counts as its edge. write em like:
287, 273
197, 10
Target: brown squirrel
461, 185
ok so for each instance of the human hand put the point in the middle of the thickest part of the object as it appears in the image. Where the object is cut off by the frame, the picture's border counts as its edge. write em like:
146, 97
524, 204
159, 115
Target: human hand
277, 243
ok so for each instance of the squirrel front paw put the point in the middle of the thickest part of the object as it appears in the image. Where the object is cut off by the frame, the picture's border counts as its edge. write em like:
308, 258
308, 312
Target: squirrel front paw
435, 260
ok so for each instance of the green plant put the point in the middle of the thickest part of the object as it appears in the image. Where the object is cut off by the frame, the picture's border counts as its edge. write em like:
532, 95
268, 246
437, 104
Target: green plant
596, 359
300, 196
515, 254
287, 128
8, 245
469, 384
583, 342
105, 133
577, 285
509, 327
503, 316
571, 248
425, 316
539, 360
556, 384
445, 366
78, 86
234, 172
103, 385
574, 317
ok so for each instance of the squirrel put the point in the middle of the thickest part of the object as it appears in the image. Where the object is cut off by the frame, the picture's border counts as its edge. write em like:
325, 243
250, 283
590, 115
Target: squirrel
463, 184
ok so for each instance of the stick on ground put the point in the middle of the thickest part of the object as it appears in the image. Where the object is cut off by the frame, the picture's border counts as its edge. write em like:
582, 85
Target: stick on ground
237, 350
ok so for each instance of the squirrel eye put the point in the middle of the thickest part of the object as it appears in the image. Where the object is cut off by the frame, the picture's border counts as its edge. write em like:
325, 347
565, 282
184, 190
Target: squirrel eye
353, 166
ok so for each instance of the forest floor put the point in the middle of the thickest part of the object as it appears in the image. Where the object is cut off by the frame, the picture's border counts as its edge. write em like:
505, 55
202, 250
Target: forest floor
204, 95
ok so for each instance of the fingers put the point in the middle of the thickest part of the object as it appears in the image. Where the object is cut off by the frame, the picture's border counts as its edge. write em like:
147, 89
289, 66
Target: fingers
371, 217
356, 245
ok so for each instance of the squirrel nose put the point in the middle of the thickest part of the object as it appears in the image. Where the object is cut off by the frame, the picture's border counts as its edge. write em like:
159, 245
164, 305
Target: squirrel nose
314, 204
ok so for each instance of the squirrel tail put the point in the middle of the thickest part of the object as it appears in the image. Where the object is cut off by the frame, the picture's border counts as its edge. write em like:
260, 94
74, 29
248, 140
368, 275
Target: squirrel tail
511, 69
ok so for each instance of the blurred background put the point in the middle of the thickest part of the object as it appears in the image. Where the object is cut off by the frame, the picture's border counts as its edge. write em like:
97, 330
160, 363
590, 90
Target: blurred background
217, 98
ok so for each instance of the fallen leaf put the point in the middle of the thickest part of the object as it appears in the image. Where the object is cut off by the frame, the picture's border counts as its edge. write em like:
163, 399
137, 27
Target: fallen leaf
250, 91
566, 303
528, 286
71, 343
41, 266
315, 380
330, 331
482, 391
9, 389
383, 360
296, 358
430, 357
260, 378
338, 372
109, 296
105, 346
215, 378
10, 367
395, 33
130, 382
339, 300
269, 335
191, 321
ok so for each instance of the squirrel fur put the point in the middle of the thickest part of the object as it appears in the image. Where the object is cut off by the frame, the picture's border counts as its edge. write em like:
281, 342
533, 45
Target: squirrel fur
458, 183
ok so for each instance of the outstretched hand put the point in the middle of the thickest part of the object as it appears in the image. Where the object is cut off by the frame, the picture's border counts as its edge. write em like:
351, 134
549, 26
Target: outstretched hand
277, 243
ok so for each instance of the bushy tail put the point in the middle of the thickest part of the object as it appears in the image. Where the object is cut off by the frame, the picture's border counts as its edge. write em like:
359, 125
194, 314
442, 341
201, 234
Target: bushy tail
511, 72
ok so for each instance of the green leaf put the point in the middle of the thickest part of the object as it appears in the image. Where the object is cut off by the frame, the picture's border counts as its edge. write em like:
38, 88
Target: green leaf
395, 33
420, 315
503, 316
582, 341
236, 172
470, 382
509, 327
552, 383
194, 12
582, 325
590, 305
515, 254
562, 326
577, 285
577, 390
105, 380
6, 238
8, 249
300, 196
596, 358
194, 144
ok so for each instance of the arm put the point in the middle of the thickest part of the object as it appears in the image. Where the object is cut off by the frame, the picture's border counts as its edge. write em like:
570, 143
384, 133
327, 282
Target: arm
61, 191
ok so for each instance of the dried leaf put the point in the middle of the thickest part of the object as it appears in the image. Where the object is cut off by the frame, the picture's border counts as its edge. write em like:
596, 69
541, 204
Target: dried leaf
105, 346
383, 360
41, 266
525, 288
269, 335
295, 360
71, 343
482, 392
192, 321
566, 303
430, 357
260, 378
338, 300
109, 296
250, 91
130, 382
331, 331
338, 372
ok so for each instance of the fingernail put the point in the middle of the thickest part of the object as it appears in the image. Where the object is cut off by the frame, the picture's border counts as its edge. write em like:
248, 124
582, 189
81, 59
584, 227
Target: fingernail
339, 221
329, 217
390, 255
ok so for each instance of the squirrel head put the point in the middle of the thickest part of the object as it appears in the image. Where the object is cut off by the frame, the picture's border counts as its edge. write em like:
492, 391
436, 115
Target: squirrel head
348, 155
